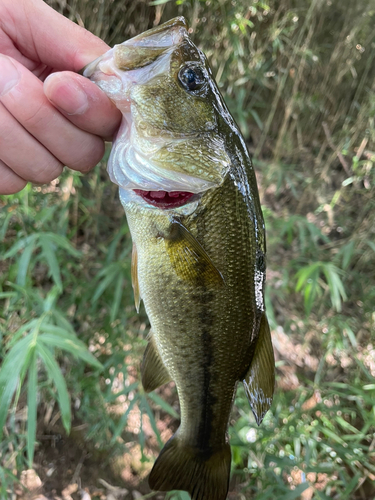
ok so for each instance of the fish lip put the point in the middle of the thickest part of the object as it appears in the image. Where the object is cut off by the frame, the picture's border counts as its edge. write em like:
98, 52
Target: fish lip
167, 37
176, 27
167, 202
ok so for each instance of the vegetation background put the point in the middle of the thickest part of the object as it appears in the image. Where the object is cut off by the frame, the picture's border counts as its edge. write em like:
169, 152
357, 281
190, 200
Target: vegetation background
298, 75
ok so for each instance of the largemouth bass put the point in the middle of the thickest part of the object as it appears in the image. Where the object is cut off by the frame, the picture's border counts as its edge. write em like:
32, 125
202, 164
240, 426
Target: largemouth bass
191, 200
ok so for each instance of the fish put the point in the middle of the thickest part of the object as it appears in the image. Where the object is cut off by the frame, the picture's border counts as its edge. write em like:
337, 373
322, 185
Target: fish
188, 187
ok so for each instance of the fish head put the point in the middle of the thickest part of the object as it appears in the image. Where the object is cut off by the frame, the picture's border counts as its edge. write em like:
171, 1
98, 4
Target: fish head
171, 139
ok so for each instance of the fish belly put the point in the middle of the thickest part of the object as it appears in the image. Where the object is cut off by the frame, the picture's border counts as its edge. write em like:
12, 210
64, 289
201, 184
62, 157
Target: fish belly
204, 331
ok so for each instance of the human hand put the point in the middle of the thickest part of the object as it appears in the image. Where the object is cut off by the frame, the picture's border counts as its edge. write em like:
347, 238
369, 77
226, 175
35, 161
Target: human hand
61, 122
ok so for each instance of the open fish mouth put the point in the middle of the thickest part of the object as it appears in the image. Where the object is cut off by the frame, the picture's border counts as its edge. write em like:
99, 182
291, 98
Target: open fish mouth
159, 158
164, 199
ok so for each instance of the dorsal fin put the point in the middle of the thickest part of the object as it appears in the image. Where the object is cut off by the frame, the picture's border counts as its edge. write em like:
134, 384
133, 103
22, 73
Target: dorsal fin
259, 382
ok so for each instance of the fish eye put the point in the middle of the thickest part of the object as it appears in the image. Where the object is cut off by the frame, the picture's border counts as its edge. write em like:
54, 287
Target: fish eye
191, 78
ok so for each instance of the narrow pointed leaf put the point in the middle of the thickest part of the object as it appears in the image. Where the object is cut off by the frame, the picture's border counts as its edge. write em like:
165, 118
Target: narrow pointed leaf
16, 336
23, 263
61, 242
50, 256
55, 375
163, 404
32, 391
122, 422
20, 245
70, 344
110, 273
14, 362
117, 296
151, 417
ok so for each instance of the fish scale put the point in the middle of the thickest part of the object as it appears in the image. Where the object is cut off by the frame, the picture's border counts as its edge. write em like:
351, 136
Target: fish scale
191, 200
231, 307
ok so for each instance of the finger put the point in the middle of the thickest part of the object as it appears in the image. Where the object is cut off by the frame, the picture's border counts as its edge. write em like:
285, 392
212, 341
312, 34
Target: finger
100, 116
49, 37
25, 100
10, 182
23, 154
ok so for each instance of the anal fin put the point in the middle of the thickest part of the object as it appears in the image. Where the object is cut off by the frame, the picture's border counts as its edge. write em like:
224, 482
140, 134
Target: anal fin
259, 382
154, 372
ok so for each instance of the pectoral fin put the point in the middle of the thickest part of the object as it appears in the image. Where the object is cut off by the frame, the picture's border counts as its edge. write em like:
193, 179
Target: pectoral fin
259, 381
134, 273
154, 372
189, 259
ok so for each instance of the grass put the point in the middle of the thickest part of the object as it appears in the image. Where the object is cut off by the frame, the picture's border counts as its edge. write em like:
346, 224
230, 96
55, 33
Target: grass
299, 79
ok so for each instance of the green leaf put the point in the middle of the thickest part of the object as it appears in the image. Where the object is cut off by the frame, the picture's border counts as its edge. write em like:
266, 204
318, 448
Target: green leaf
347, 252
62, 322
112, 397
117, 296
123, 420
304, 274
110, 273
351, 336
369, 387
345, 425
331, 434
308, 277
146, 406
50, 301
184, 495
8, 295
308, 281
27, 326
177, 495
23, 263
335, 284
55, 375
351, 487
257, 119
141, 435
14, 362
111, 250
20, 245
4, 225
32, 391
61, 242
163, 404
49, 253
69, 343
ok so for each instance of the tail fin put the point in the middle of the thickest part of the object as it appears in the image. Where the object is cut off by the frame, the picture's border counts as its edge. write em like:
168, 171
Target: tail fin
205, 475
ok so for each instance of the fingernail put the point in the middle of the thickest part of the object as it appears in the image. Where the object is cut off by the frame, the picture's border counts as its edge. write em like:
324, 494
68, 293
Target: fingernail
9, 75
66, 94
